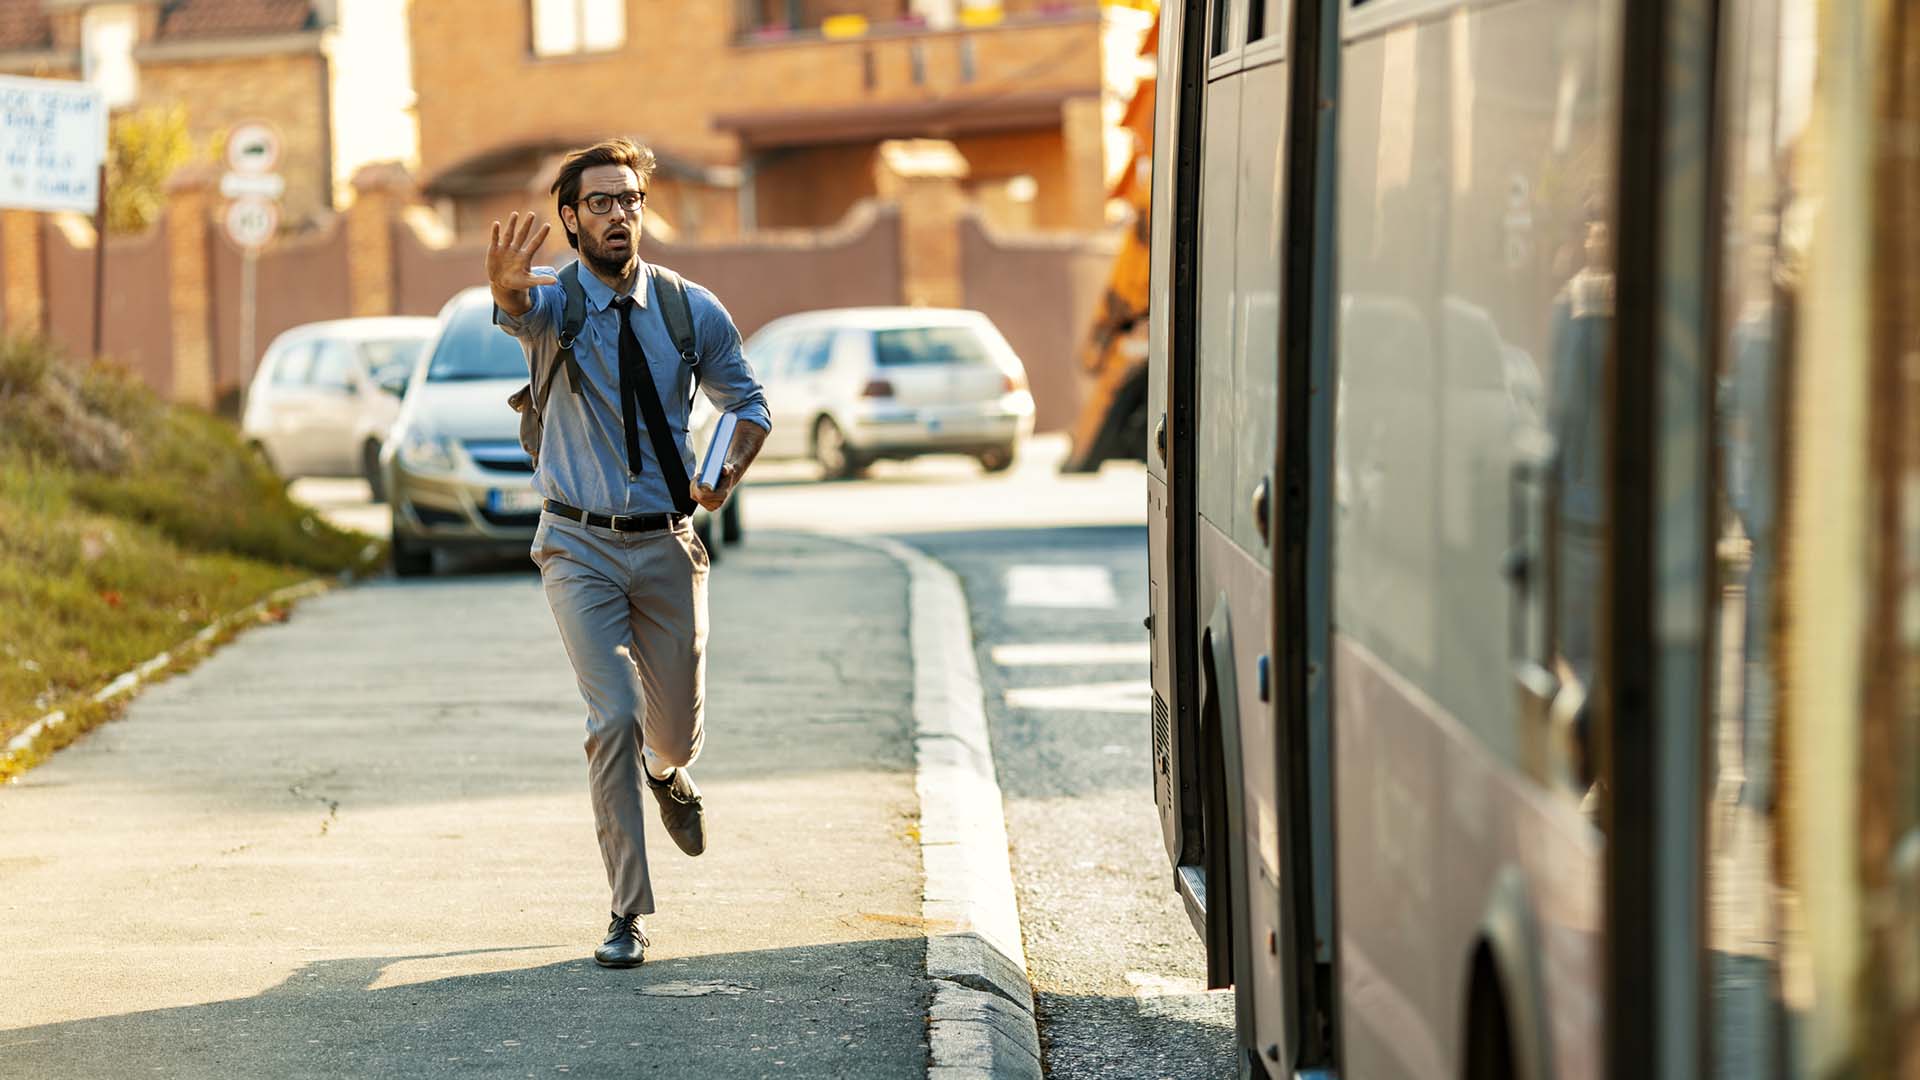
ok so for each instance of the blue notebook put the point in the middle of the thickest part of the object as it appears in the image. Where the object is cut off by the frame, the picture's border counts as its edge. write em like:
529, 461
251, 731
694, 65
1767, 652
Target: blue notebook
717, 449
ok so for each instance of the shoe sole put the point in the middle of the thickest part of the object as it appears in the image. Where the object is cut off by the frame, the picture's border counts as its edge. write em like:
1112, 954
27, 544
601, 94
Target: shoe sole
619, 963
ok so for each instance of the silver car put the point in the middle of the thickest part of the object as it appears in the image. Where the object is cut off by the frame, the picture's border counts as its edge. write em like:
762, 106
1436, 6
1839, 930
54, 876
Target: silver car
857, 385
326, 393
455, 471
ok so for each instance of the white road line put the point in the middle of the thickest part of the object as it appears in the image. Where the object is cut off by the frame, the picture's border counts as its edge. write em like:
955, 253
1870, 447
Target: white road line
1061, 587
1065, 654
1131, 696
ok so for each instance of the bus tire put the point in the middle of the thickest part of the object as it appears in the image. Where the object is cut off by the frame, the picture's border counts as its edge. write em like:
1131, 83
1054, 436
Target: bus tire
1489, 1034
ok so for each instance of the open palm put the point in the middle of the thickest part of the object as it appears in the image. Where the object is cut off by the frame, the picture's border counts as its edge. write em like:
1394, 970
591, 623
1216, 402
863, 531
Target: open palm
510, 254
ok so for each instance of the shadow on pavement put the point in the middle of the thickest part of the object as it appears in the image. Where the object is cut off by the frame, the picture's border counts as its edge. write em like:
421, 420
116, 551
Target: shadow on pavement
835, 1010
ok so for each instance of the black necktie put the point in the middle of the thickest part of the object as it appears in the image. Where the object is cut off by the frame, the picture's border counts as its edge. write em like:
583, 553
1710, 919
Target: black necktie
636, 386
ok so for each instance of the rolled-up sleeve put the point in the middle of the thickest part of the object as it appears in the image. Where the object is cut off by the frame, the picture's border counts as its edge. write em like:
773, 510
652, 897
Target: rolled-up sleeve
725, 375
539, 319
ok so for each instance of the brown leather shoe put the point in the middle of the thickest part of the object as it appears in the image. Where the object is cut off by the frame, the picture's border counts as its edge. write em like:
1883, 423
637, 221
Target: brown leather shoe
626, 944
680, 810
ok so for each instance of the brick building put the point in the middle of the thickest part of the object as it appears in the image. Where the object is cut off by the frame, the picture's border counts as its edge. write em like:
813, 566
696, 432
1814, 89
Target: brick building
331, 76
764, 113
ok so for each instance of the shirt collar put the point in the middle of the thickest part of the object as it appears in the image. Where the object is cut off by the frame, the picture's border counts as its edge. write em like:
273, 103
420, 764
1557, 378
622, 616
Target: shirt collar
600, 295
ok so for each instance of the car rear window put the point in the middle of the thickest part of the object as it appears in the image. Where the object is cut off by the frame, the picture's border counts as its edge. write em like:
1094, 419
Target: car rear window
473, 348
920, 346
383, 358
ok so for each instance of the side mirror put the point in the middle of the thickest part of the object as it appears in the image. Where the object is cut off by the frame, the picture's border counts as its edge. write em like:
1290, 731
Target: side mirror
393, 382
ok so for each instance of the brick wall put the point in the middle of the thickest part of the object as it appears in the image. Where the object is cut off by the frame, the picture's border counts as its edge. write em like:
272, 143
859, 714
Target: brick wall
289, 89
1042, 291
136, 317
173, 295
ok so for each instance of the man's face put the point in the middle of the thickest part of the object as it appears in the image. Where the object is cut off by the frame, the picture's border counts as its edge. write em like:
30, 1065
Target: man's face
607, 240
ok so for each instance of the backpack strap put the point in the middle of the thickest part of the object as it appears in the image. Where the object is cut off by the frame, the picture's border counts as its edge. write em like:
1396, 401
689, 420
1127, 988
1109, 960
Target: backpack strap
671, 288
572, 317
677, 312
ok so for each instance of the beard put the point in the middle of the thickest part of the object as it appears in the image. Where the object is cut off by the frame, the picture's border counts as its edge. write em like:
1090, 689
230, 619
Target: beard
605, 263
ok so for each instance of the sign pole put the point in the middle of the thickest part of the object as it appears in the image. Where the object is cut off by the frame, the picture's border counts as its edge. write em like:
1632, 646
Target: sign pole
100, 267
251, 220
249, 259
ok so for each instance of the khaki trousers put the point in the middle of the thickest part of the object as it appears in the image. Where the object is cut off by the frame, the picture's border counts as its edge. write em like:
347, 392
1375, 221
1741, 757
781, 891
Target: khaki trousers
632, 611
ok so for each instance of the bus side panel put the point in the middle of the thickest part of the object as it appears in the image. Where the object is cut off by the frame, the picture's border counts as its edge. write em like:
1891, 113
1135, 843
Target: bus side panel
1429, 822
1247, 584
1476, 151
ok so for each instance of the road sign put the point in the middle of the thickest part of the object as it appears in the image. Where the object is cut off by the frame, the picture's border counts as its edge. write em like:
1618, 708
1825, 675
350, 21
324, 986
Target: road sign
253, 148
251, 222
239, 185
53, 138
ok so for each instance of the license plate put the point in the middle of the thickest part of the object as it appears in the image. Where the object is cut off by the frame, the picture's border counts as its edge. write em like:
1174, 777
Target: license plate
513, 502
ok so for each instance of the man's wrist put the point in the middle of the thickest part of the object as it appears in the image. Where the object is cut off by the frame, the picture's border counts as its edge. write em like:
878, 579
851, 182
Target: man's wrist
514, 302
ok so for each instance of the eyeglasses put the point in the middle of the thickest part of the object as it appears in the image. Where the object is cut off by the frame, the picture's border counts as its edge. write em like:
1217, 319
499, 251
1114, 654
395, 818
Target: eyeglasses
601, 202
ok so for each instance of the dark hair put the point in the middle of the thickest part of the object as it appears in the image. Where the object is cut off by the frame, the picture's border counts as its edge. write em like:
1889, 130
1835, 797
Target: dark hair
610, 152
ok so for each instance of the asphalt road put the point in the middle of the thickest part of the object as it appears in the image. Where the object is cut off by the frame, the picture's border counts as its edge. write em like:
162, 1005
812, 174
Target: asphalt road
1055, 572
1118, 972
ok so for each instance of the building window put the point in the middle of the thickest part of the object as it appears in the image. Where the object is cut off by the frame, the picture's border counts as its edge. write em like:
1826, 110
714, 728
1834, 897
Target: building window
566, 27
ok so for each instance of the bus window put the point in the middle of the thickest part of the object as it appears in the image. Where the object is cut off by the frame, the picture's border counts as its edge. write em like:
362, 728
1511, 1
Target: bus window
1222, 23
1266, 18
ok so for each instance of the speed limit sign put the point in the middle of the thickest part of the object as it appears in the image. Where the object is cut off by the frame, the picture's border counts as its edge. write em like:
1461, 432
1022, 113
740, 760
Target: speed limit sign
251, 222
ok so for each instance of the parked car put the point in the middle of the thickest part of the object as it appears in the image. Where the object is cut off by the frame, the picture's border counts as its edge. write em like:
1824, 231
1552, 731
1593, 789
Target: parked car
455, 470
326, 393
853, 386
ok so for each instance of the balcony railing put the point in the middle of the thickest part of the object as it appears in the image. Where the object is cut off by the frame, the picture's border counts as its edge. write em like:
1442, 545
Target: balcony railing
782, 21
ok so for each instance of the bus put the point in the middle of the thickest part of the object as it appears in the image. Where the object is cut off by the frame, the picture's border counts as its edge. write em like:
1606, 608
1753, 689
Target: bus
1534, 531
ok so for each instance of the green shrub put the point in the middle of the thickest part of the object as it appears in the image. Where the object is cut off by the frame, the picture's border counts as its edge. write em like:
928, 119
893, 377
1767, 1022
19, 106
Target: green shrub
126, 524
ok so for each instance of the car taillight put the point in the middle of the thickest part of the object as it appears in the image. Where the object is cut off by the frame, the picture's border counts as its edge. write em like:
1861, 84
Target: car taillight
880, 388
1008, 385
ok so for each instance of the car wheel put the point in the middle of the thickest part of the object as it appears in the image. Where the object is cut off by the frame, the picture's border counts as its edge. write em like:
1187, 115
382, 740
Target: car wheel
997, 460
370, 467
409, 558
837, 460
731, 530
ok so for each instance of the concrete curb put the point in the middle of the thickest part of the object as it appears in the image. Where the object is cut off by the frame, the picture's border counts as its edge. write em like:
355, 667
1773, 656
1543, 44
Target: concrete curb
981, 1024
128, 681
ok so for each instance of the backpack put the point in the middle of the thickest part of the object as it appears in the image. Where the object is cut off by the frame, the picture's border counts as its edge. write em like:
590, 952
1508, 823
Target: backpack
531, 403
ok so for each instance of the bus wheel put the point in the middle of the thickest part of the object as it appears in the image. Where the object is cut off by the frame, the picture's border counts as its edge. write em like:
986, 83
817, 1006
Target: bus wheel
1489, 1035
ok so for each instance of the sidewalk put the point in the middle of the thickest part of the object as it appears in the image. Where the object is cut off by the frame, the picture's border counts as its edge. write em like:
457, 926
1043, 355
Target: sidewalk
359, 844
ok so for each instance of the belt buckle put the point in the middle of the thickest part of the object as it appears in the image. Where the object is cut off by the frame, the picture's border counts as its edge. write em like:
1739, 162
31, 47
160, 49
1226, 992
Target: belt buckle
613, 521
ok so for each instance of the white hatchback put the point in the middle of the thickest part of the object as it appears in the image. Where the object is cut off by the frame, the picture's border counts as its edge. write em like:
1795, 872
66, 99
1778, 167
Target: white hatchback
852, 386
326, 393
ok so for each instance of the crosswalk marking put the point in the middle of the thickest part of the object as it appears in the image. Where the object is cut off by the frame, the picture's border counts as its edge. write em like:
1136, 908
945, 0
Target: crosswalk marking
1130, 696
1060, 587
1065, 654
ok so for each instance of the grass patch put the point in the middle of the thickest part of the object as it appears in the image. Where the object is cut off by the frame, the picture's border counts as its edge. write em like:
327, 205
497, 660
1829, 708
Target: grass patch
127, 525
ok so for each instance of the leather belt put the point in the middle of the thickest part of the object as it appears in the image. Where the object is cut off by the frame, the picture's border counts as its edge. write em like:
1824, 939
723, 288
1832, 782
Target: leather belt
616, 522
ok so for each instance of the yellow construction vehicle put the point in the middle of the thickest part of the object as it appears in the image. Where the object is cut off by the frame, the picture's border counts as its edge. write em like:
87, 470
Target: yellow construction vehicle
1113, 422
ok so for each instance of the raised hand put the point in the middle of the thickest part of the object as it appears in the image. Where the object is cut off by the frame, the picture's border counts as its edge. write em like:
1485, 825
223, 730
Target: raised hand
510, 255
